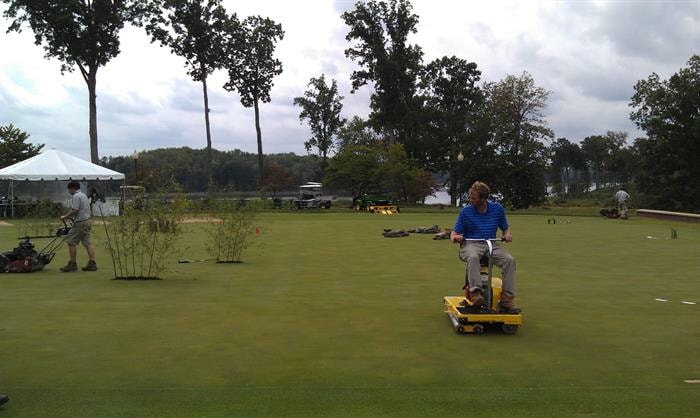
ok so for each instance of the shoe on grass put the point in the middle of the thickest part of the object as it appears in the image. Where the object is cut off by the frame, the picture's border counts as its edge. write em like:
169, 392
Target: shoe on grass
91, 266
71, 266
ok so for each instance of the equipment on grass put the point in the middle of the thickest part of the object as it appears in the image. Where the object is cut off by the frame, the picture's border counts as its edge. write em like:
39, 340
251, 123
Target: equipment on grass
311, 197
25, 259
374, 202
466, 317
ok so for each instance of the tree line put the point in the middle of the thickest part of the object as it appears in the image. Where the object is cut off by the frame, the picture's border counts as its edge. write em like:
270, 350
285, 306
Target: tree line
425, 118
85, 34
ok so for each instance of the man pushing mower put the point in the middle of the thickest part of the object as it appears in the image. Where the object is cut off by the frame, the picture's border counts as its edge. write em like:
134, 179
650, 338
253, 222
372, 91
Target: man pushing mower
80, 231
477, 223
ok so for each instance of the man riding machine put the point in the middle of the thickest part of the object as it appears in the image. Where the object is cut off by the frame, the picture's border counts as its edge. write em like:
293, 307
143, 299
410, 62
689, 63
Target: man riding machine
487, 300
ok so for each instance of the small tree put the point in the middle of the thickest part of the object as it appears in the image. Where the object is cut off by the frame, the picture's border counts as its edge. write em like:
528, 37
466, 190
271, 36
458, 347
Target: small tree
14, 147
248, 57
233, 233
321, 106
144, 237
276, 179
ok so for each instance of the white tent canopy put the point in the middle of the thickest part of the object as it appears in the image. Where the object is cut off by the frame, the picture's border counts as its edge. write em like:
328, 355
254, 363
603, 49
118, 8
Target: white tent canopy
54, 165
51, 165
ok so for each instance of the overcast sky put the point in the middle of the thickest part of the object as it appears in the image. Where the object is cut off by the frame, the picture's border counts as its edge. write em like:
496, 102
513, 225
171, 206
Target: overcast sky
588, 54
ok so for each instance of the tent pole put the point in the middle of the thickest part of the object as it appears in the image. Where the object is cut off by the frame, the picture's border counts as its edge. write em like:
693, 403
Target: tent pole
12, 198
5, 203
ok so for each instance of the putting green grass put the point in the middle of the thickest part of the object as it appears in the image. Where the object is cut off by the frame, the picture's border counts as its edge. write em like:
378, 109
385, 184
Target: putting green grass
326, 318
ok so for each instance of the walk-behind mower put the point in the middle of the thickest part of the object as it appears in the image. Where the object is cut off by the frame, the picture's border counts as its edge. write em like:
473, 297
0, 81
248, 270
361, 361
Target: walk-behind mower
25, 259
465, 317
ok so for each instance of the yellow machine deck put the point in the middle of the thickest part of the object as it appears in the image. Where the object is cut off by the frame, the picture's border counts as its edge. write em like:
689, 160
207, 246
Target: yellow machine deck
383, 209
465, 318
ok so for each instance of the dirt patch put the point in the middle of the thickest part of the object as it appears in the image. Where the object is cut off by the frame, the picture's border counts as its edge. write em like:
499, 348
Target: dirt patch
3, 223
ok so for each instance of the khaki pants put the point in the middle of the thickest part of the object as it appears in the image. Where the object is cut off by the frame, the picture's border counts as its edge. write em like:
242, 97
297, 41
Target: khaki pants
472, 251
79, 232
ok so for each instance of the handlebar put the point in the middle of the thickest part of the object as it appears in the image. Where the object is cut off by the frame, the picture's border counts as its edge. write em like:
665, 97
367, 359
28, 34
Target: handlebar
59, 232
484, 239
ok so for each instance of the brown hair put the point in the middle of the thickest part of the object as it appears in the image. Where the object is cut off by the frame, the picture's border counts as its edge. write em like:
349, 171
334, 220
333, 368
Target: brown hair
481, 188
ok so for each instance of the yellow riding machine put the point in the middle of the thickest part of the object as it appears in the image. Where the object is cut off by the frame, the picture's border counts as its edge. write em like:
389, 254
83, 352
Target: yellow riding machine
467, 318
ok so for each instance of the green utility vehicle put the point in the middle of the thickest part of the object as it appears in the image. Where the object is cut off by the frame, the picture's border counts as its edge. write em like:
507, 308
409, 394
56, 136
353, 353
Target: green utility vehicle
374, 202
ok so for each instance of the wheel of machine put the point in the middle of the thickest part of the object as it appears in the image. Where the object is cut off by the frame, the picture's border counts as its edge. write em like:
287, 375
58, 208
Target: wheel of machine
4, 264
478, 329
509, 329
460, 330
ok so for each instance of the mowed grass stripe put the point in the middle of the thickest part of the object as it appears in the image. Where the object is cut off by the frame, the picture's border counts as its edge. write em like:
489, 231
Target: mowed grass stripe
328, 318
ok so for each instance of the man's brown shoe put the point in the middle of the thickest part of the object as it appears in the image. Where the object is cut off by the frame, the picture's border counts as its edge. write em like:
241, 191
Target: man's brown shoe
91, 266
71, 266
507, 305
477, 298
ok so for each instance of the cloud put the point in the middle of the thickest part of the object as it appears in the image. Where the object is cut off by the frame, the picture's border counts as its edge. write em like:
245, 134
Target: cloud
589, 54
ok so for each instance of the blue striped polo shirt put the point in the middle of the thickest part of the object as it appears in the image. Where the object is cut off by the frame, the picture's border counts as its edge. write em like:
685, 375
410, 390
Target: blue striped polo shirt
472, 224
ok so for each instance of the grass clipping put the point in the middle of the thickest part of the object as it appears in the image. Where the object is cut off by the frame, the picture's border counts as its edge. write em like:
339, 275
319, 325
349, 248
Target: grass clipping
143, 237
235, 233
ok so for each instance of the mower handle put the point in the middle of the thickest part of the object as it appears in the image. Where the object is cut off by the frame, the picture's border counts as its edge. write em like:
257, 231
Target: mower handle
59, 232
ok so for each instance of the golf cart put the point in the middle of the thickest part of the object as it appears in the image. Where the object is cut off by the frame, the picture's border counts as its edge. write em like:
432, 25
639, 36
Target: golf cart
311, 197
467, 318
25, 259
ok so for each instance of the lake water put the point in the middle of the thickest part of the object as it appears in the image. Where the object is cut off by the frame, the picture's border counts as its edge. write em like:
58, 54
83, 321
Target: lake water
441, 197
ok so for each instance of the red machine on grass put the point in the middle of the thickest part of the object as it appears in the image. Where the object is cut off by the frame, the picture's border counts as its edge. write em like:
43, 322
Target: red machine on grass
25, 259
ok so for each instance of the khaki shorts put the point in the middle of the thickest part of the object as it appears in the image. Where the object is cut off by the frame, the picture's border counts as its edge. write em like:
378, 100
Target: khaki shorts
79, 232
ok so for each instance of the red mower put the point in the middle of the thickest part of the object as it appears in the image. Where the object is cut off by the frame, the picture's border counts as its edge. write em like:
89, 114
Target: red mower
25, 259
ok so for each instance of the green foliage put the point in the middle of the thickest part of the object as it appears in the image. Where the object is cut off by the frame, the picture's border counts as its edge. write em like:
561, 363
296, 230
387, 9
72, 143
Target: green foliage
357, 132
515, 107
144, 237
235, 230
355, 168
380, 31
251, 66
14, 146
233, 170
669, 159
602, 153
569, 173
451, 99
361, 168
321, 106
193, 30
78, 33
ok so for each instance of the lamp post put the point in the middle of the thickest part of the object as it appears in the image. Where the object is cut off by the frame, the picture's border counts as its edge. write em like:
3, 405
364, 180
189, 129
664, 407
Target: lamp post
454, 201
135, 157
